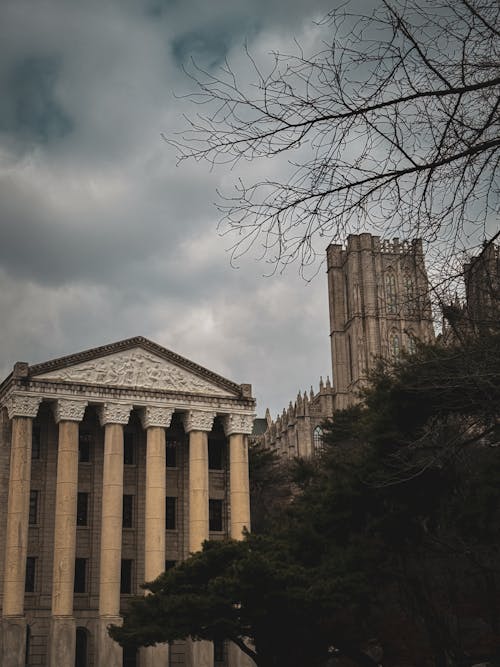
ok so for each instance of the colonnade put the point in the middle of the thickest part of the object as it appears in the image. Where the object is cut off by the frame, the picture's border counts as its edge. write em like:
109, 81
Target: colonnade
113, 416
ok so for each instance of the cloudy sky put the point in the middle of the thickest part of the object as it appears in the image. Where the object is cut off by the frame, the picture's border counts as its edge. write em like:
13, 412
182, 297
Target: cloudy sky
102, 236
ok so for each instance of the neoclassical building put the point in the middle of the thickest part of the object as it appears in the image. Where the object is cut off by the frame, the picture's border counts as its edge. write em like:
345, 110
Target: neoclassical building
115, 463
379, 306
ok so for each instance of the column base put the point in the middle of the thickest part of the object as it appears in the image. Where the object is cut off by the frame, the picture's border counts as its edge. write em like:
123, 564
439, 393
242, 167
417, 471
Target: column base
109, 653
13, 641
199, 653
62, 641
154, 656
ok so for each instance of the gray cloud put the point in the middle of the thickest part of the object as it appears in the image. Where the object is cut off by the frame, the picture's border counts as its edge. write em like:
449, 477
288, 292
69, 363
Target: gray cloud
102, 237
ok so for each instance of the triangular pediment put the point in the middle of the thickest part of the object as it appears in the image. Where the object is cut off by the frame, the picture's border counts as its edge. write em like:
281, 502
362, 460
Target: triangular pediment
135, 363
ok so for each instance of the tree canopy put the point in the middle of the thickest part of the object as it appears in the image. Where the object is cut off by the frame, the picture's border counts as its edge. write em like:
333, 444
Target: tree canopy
392, 124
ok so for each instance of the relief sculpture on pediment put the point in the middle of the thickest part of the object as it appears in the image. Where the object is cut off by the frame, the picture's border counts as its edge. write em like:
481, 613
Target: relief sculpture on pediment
136, 368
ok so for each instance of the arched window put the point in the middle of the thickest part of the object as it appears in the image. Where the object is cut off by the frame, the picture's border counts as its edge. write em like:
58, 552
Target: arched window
390, 292
394, 346
412, 343
317, 438
409, 287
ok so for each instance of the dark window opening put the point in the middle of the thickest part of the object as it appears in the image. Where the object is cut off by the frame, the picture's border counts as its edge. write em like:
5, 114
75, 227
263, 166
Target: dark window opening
128, 511
219, 651
128, 448
84, 443
129, 656
215, 454
33, 514
169, 564
27, 647
171, 454
126, 576
81, 651
82, 508
80, 575
29, 584
215, 514
35, 442
170, 512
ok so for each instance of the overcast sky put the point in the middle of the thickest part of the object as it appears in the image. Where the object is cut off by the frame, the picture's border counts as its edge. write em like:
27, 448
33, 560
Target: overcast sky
102, 236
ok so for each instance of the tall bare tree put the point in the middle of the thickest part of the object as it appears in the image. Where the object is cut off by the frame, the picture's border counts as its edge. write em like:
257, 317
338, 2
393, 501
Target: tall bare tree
393, 124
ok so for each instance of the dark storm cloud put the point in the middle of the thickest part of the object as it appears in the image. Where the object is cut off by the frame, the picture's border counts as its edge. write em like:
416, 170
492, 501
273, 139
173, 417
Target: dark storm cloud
29, 110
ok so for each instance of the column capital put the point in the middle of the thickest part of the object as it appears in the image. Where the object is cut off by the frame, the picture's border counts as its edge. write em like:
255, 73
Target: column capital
66, 409
155, 415
114, 413
235, 423
21, 405
198, 420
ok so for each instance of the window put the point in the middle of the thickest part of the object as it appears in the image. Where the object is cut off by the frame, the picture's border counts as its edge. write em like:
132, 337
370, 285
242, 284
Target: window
171, 454
317, 438
215, 453
409, 294
33, 515
169, 564
80, 575
84, 442
412, 343
215, 514
129, 656
219, 651
394, 346
27, 647
128, 448
390, 292
81, 651
29, 584
35, 442
126, 576
170, 512
82, 508
128, 511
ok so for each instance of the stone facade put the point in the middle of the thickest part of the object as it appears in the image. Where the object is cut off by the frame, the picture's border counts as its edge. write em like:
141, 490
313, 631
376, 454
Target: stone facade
480, 312
114, 464
379, 306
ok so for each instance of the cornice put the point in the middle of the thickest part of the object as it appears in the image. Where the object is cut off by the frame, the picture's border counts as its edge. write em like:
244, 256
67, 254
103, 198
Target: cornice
55, 389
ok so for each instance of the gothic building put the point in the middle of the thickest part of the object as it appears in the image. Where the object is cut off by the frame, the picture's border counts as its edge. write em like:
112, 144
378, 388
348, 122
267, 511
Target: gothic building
480, 312
115, 463
379, 305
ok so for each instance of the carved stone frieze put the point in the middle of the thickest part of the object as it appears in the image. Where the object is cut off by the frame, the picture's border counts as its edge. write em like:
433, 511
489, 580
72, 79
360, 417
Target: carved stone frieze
114, 413
66, 409
198, 420
234, 423
156, 416
20, 405
136, 368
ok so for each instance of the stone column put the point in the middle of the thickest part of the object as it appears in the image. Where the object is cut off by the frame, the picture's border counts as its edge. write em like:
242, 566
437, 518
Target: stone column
155, 420
198, 423
67, 413
112, 416
237, 428
21, 410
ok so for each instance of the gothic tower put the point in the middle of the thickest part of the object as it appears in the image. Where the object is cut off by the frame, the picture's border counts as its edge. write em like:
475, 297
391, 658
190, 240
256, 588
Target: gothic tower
379, 305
